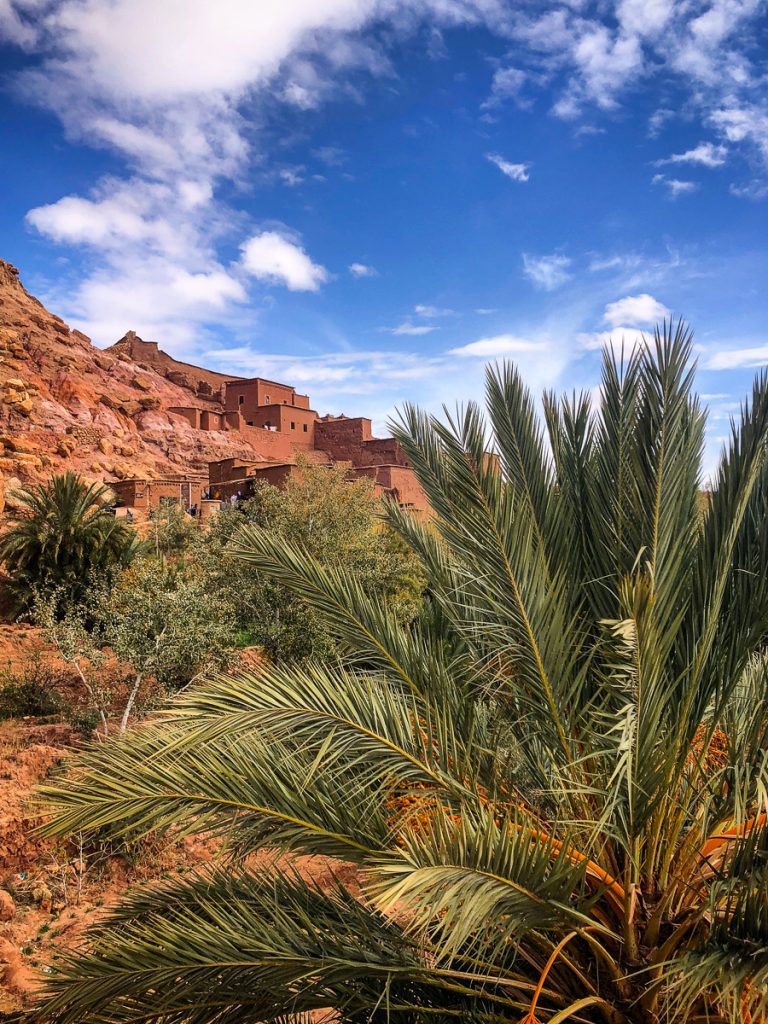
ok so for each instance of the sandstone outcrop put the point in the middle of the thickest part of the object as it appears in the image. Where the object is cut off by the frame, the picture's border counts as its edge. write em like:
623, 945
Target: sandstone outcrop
65, 404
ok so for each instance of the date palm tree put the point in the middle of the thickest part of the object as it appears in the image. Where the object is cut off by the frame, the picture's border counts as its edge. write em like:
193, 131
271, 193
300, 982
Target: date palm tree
553, 789
61, 533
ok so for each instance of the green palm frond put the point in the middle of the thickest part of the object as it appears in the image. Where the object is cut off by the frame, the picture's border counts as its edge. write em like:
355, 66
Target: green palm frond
552, 784
256, 948
61, 534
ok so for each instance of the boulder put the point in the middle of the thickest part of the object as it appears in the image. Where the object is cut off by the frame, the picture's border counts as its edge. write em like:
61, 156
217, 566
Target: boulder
142, 382
7, 906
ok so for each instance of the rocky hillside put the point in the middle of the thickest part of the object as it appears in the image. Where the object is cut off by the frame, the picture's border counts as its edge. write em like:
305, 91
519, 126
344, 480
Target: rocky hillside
66, 404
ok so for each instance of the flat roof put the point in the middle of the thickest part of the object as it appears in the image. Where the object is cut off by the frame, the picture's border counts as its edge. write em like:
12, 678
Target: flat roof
264, 380
161, 480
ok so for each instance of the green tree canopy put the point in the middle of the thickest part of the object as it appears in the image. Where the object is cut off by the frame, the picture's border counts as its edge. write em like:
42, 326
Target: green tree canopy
333, 519
554, 788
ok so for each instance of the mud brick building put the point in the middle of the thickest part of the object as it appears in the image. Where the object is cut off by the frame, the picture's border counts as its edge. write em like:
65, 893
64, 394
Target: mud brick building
279, 426
147, 495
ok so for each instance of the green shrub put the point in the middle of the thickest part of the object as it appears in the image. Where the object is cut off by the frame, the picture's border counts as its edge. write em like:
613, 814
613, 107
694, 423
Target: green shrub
33, 692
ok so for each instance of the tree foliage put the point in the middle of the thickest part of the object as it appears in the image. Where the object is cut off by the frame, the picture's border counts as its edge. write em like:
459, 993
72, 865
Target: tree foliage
333, 519
60, 535
554, 786
155, 618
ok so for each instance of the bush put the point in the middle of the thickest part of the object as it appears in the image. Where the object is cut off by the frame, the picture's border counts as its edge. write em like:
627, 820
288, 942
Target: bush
336, 520
34, 692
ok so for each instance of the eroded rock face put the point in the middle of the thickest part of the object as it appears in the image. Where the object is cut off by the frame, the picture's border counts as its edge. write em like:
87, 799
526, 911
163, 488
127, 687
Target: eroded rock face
65, 404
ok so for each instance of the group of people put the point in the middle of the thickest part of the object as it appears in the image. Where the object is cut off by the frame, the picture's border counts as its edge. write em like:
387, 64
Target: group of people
215, 495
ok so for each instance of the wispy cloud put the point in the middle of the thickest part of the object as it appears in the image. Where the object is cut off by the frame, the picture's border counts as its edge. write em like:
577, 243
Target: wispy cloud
499, 345
430, 312
736, 358
362, 270
516, 172
618, 337
408, 328
674, 186
507, 84
546, 272
706, 154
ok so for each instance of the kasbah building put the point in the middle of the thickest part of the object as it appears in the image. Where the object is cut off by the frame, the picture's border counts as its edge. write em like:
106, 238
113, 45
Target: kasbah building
283, 431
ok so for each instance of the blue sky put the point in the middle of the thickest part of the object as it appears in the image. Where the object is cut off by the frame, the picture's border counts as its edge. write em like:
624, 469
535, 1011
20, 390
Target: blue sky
371, 198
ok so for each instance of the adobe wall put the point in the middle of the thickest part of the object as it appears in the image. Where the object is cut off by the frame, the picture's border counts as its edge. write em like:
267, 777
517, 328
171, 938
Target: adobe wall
344, 430
232, 469
207, 383
212, 420
248, 395
403, 486
397, 482
130, 492
276, 475
149, 494
190, 414
384, 451
299, 424
350, 440
269, 443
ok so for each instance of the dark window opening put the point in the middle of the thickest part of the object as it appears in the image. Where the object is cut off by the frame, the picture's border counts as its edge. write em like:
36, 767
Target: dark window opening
249, 423
293, 425
266, 398
305, 428
240, 399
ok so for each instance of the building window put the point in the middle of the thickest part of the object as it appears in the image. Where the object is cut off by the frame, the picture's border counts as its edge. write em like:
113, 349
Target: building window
240, 399
293, 425
249, 423
305, 428
266, 398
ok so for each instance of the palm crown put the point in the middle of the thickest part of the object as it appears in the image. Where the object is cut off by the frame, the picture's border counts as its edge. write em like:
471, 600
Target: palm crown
554, 785
61, 534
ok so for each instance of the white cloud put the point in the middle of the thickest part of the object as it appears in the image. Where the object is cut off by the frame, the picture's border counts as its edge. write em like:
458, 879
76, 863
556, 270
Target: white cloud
277, 258
628, 337
179, 90
547, 272
412, 329
485, 311
331, 156
706, 49
674, 186
732, 359
744, 122
636, 310
120, 214
507, 84
499, 345
430, 312
658, 119
292, 176
517, 172
707, 154
362, 270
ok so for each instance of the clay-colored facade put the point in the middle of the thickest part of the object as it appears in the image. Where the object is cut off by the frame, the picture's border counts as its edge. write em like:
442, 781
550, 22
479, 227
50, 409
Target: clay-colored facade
148, 495
280, 426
